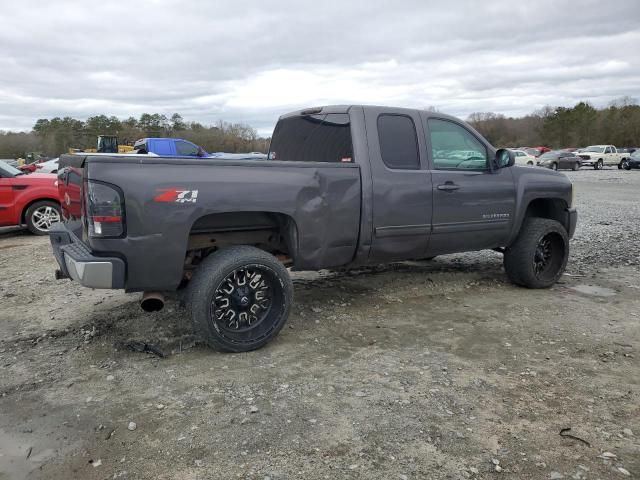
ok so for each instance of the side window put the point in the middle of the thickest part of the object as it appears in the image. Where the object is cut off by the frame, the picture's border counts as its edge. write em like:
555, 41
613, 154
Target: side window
454, 147
608, 150
186, 149
520, 154
398, 142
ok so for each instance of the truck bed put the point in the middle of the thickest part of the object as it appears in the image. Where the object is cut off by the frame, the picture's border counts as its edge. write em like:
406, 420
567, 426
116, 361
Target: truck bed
321, 200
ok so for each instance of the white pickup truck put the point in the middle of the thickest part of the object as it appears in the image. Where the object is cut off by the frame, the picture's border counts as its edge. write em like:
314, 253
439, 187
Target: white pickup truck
598, 156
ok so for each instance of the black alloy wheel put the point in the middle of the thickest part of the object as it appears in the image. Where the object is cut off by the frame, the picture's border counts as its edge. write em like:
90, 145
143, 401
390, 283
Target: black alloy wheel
548, 256
244, 299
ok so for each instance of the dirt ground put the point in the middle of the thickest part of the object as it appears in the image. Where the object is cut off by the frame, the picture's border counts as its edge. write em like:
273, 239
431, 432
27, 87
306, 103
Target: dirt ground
420, 370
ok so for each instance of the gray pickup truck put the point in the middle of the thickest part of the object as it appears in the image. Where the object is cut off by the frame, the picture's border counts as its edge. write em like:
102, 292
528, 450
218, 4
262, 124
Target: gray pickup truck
343, 186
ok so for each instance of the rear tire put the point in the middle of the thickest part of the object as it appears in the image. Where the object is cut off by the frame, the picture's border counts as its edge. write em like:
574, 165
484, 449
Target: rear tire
626, 165
575, 166
40, 216
240, 298
539, 255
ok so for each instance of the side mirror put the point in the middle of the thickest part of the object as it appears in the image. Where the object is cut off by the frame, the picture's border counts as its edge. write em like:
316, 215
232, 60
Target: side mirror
201, 152
505, 158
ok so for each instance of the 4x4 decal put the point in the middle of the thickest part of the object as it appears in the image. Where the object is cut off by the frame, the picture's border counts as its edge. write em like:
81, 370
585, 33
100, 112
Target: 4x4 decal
176, 195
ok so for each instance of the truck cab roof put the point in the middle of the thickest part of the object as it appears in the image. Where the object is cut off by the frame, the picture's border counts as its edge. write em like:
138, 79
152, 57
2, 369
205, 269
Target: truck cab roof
327, 109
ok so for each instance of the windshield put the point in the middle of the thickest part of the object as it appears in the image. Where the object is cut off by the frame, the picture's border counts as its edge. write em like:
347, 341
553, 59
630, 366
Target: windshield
636, 154
594, 149
8, 170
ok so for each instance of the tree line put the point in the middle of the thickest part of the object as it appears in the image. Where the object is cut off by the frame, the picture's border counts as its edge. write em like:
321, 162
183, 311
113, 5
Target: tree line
554, 127
562, 127
55, 136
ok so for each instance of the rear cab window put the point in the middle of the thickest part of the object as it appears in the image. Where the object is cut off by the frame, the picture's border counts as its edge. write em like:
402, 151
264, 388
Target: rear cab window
313, 138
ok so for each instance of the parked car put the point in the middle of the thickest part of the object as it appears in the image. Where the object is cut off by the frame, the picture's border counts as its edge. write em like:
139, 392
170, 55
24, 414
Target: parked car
633, 161
344, 186
50, 166
530, 151
543, 149
558, 160
10, 161
28, 199
599, 156
172, 147
523, 158
28, 167
177, 147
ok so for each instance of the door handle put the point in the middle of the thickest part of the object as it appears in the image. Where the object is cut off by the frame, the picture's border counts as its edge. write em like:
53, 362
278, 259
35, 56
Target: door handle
448, 187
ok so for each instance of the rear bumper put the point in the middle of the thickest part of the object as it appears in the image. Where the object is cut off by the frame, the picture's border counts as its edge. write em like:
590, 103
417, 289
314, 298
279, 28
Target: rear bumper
77, 262
572, 220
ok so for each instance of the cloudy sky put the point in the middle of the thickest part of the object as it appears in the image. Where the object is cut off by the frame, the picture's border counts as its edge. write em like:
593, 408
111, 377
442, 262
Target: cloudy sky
253, 60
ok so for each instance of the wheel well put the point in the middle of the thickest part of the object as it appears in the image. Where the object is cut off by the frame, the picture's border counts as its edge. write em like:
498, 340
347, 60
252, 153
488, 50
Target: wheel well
275, 233
23, 215
551, 208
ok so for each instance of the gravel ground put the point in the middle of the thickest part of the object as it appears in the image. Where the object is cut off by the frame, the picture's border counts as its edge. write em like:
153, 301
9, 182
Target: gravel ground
433, 370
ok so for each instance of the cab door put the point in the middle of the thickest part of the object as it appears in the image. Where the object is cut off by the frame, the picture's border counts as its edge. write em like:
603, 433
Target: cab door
401, 185
473, 201
7, 200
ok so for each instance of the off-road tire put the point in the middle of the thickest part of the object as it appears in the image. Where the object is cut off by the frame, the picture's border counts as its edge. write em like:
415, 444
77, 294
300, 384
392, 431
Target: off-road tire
209, 277
39, 206
520, 258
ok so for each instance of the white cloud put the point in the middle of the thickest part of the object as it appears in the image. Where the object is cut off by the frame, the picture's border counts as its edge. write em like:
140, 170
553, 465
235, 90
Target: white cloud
252, 61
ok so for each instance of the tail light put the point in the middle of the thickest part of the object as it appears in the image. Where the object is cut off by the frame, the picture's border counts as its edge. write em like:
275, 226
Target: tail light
104, 210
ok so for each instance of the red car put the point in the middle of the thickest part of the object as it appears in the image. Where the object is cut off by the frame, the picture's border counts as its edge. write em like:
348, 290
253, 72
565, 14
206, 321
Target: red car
543, 149
29, 167
28, 199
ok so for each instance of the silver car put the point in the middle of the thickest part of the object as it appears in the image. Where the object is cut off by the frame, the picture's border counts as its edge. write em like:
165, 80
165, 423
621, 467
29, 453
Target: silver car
50, 166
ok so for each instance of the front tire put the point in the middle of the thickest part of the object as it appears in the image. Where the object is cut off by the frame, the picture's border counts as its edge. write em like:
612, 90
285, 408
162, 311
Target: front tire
240, 298
575, 167
553, 166
598, 165
539, 255
40, 216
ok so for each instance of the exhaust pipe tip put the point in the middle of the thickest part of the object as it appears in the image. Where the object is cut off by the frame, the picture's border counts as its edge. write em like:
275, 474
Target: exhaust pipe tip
152, 301
60, 275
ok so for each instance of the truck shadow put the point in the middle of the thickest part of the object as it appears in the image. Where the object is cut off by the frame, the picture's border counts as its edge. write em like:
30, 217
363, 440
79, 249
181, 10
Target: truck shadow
320, 298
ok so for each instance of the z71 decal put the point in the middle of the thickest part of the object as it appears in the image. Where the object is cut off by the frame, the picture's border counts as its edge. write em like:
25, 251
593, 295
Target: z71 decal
176, 195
